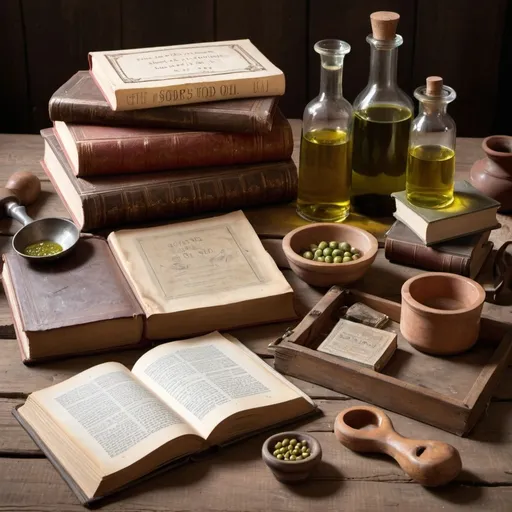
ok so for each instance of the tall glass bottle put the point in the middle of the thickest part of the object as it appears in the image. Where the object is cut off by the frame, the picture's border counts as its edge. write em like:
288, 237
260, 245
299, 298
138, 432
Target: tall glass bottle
325, 150
431, 160
382, 120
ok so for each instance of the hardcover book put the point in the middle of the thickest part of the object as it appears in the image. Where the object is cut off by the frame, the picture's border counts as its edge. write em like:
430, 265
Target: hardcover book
471, 212
464, 256
107, 428
167, 195
146, 285
189, 73
80, 101
102, 150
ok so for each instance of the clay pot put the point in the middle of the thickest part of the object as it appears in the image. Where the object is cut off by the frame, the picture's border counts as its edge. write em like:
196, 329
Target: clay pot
493, 174
441, 312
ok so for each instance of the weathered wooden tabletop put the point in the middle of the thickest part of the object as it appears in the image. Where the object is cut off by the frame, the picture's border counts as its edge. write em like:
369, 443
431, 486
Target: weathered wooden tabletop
236, 479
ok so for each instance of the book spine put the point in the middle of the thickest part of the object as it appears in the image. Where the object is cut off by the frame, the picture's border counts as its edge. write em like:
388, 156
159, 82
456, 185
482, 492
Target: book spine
274, 184
181, 150
61, 108
426, 258
211, 90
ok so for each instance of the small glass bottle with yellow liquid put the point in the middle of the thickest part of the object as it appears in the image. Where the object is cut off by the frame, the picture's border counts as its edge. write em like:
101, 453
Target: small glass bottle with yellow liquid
382, 121
431, 159
325, 149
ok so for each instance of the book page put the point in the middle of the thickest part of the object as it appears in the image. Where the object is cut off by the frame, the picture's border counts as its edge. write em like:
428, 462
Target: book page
111, 415
197, 264
209, 378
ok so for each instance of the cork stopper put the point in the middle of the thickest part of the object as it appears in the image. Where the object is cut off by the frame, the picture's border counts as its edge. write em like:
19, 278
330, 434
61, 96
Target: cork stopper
434, 86
384, 24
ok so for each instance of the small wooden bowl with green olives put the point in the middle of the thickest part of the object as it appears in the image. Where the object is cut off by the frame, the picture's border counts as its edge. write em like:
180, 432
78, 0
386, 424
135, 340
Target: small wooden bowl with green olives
327, 254
291, 455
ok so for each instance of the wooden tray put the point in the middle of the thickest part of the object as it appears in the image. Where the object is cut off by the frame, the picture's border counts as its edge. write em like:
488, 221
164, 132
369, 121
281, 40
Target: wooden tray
447, 392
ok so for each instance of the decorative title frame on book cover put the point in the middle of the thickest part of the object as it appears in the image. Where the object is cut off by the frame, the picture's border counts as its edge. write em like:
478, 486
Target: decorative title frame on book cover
138, 66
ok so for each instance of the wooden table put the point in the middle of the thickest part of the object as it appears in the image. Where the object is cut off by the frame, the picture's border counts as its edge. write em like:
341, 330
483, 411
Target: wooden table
236, 479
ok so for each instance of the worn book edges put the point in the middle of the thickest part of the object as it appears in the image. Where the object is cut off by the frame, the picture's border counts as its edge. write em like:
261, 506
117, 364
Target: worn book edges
464, 256
79, 304
189, 73
197, 276
129, 199
108, 427
102, 150
471, 212
80, 101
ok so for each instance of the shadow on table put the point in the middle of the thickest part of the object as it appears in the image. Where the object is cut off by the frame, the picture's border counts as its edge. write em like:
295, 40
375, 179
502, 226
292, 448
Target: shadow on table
455, 493
325, 480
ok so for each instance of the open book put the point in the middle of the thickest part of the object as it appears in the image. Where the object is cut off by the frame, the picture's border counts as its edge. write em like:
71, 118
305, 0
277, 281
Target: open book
107, 426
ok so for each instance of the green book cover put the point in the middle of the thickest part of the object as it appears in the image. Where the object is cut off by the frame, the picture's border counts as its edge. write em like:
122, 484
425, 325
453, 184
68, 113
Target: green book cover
467, 200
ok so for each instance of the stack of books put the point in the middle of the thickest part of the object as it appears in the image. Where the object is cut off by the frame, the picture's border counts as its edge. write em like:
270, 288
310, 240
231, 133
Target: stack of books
453, 239
169, 132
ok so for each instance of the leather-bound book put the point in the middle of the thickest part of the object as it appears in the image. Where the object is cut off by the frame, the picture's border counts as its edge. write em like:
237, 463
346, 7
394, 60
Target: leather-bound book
105, 150
120, 200
464, 256
79, 304
80, 101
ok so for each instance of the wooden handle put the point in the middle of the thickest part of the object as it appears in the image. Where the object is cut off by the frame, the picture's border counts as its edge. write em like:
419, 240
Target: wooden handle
25, 186
369, 429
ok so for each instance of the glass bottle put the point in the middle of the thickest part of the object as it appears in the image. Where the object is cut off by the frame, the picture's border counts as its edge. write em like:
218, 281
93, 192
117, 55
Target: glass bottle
431, 160
382, 120
325, 149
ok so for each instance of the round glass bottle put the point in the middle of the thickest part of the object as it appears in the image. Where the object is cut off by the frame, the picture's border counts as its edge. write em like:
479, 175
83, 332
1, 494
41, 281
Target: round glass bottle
431, 159
382, 121
325, 149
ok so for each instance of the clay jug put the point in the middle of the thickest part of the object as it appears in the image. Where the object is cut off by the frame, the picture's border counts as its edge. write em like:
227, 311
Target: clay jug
493, 174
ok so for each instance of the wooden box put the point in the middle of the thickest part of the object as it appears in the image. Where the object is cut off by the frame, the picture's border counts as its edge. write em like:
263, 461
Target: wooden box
447, 392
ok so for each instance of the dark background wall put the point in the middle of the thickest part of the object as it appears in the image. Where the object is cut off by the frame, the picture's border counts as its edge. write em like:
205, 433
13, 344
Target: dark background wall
467, 42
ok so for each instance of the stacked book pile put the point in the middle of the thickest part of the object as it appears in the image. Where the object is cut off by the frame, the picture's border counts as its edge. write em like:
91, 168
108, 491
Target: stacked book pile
169, 132
453, 239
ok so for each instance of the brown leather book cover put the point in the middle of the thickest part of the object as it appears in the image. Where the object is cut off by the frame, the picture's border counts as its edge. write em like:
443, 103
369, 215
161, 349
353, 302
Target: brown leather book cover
80, 101
120, 200
455, 256
103, 150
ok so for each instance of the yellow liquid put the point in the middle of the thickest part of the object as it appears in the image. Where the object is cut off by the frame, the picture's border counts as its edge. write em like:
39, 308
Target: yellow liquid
324, 176
379, 159
43, 248
430, 175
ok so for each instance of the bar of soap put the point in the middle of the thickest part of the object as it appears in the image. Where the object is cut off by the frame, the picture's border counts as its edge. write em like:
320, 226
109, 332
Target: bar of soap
360, 344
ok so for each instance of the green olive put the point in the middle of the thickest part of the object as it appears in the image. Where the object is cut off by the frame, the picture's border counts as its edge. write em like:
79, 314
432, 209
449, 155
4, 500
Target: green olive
322, 245
292, 457
347, 259
344, 246
280, 456
308, 255
354, 250
278, 445
313, 247
333, 245
337, 259
347, 254
318, 252
293, 442
285, 442
355, 257
327, 251
320, 258
305, 455
282, 449
336, 252
304, 442
276, 453
287, 458
328, 259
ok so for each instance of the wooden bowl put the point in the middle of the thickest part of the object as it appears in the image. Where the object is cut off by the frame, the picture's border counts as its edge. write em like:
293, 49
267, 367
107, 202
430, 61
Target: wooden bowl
441, 312
317, 273
291, 470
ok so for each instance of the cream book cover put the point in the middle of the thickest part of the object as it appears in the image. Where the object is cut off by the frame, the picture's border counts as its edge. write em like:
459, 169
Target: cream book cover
202, 275
189, 73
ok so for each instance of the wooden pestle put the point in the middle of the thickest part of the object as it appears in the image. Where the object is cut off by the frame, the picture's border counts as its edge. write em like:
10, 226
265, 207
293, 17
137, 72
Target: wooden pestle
369, 429
22, 187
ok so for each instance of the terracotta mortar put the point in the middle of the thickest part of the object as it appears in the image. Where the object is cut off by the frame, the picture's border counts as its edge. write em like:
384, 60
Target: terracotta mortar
441, 312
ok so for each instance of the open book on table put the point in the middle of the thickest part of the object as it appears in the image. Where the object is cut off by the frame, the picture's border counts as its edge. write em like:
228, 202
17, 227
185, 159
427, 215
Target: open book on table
107, 427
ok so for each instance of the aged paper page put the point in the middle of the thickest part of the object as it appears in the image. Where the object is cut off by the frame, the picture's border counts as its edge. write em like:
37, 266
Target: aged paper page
197, 264
113, 418
209, 378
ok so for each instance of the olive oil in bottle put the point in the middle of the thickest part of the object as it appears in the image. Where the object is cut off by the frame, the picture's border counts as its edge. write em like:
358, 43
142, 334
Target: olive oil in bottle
430, 176
325, 151
431, 160
324, 177
382, 120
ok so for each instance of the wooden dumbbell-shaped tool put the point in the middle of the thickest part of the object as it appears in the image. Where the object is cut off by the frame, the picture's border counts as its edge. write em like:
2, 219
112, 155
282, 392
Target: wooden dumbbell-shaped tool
369, 429
22, 189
